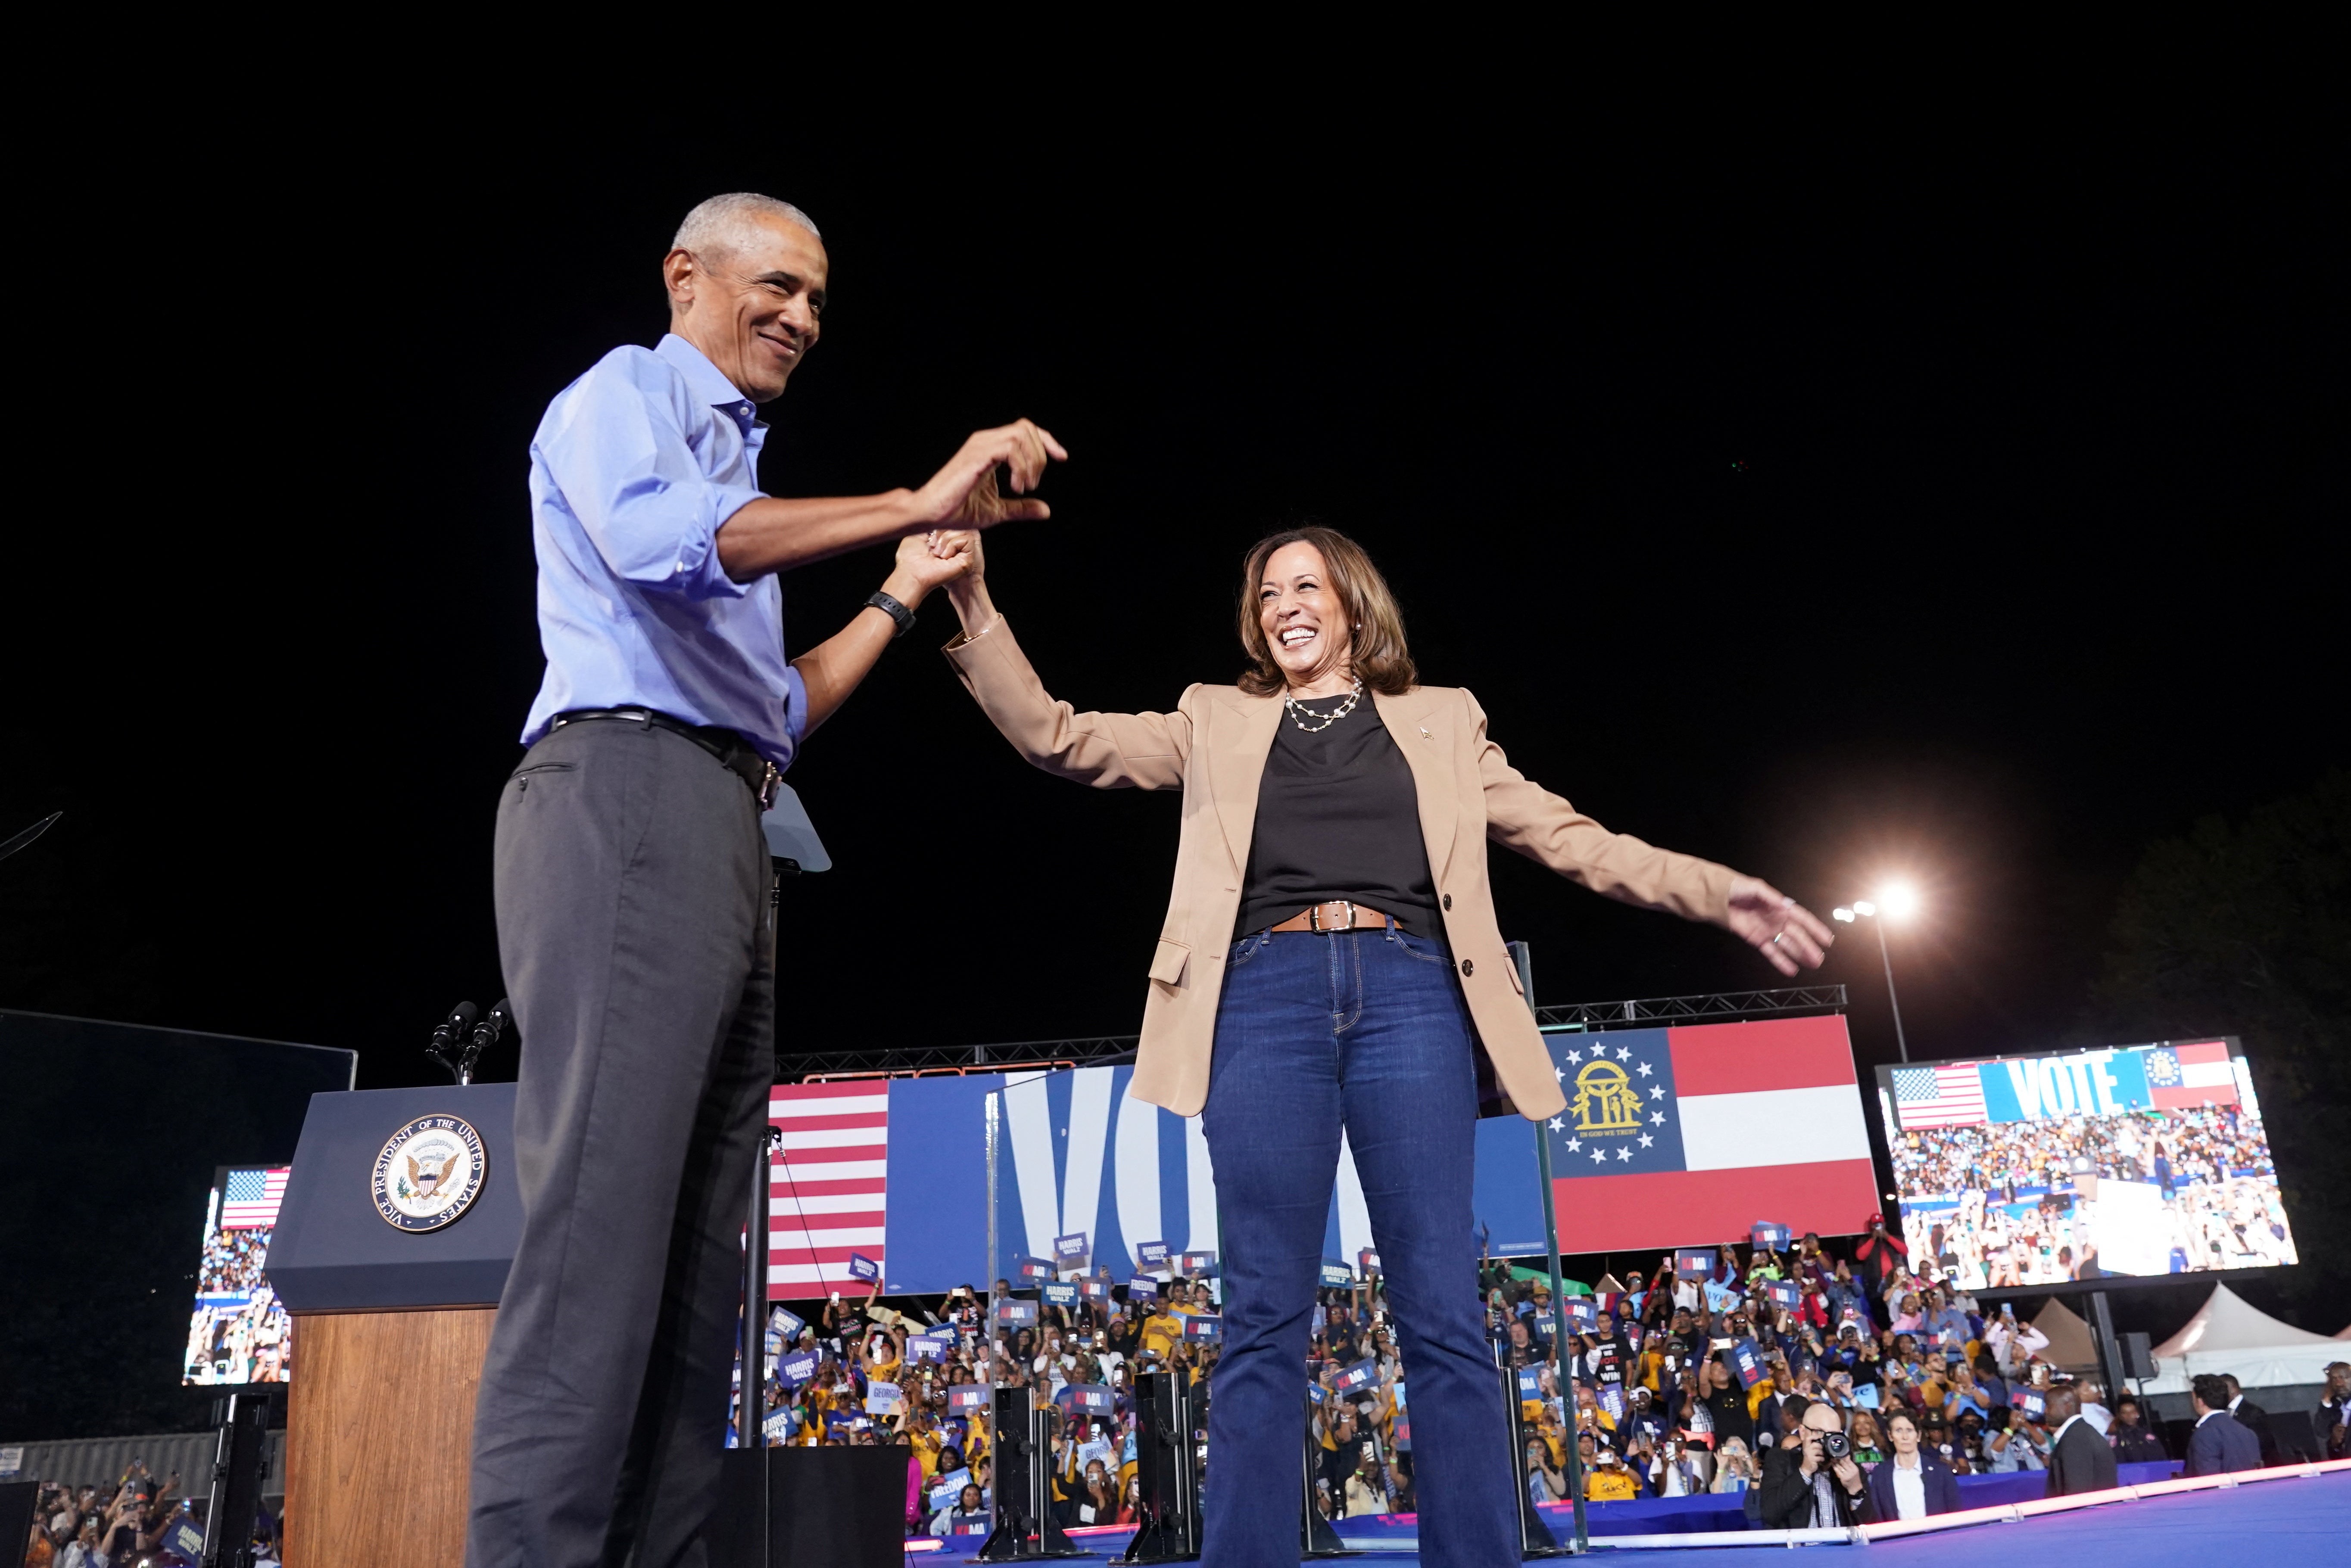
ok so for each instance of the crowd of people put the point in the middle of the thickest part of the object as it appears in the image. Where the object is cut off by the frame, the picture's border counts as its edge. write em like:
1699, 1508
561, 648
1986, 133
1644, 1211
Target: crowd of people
239, 1332
133, 1521
2019, 1203
1732, 1377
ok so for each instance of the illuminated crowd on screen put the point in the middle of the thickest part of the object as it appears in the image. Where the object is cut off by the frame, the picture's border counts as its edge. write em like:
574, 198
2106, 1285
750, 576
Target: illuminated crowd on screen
1682, 1381
2020, 1203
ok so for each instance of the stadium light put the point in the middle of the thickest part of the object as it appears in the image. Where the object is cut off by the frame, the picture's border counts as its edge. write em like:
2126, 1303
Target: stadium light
1898, 900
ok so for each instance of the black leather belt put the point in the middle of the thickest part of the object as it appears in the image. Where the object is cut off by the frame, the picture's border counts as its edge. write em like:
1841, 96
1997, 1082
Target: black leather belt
733, 753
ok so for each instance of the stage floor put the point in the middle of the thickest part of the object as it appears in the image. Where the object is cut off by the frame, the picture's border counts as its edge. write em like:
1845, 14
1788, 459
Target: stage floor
2289, 1519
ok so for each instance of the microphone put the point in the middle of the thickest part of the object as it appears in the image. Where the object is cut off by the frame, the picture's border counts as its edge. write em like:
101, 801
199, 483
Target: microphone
461, 1018
487, 1033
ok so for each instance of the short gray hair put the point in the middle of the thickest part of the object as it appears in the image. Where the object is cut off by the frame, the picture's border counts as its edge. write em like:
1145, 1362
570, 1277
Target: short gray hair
718, 225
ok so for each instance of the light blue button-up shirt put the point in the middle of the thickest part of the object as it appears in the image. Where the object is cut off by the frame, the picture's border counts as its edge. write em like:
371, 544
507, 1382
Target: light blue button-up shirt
633, 469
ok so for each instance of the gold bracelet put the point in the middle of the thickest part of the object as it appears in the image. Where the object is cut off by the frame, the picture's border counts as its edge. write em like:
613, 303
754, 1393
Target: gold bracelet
969, 637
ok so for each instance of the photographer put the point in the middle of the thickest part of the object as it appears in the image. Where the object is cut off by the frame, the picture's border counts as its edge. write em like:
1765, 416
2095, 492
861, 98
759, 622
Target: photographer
1811, 1482
1915, 1481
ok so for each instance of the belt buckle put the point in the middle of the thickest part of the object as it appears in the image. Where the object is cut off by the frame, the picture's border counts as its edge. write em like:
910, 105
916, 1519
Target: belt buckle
771, 781
1314, 916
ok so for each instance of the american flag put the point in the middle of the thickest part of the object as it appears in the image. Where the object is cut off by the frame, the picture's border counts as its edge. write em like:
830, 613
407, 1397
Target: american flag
829, 1196
249, 1201
1938, 1096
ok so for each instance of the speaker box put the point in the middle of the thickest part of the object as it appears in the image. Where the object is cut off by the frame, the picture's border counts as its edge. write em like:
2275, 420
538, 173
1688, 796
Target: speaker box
2138, 1359
16, 1500
826, 1508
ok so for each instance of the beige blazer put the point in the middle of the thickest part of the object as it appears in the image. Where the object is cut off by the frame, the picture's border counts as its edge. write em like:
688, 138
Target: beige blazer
1214, 746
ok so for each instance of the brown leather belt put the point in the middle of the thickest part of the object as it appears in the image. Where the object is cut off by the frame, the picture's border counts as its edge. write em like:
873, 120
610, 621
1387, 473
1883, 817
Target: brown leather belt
1338, 915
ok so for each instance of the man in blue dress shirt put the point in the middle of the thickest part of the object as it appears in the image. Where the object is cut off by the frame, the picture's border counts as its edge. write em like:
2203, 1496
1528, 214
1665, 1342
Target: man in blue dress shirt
634, 921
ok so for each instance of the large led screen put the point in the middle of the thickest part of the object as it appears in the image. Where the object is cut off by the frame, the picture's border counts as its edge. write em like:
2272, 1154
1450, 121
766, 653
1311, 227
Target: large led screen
2137, 1160
239, 1334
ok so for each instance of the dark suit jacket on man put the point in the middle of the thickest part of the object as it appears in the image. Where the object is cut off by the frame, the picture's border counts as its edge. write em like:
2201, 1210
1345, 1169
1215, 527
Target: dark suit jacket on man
1784, 1494
2255, 1419
2221, 1443
1942, 1487
2080, 1461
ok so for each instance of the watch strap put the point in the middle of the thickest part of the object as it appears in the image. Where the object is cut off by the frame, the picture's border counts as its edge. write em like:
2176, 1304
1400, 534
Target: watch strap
895, 611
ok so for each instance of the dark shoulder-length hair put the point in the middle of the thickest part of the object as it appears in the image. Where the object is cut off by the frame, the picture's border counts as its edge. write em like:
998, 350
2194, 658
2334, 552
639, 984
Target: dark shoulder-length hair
1375, 625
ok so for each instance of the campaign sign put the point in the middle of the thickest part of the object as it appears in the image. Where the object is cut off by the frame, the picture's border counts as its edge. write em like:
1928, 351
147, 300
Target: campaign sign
1582, 1315
1612, 1399
2027, 1401
797, 1368
930, 1346
1361, 1375
1540, 1323
1693, 1263
1152, 1254
1633, 1335
1032, 1269
1783, 1293
1368, 1262
1866, 1396
1314, 1392
1748, 1362
1086, 1399
1769, 1237
1530, 1382
1058, 1292
948, 1488
1016, 1315
1072, 1252
1093, 1288
971, 1524
864, 1268
1198, 1265
882, 1399
1337, 1276
779, 1426
1199, 1325
965, 1398
1142, 1285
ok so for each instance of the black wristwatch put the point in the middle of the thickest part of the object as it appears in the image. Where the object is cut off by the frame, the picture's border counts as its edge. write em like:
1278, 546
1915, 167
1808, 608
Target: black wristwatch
895, 611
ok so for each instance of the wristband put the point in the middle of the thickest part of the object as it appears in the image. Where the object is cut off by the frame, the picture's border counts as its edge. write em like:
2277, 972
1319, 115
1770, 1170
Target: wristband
895, 611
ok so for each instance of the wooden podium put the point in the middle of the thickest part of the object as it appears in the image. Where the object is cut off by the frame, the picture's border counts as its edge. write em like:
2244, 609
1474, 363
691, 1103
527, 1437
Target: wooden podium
390, 1329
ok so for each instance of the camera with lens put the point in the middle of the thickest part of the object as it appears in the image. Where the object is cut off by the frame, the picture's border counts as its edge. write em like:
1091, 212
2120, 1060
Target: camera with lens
1836, 1446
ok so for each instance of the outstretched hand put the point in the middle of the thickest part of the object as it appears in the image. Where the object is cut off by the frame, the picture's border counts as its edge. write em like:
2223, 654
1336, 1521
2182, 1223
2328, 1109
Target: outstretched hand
964, 494
1787, 934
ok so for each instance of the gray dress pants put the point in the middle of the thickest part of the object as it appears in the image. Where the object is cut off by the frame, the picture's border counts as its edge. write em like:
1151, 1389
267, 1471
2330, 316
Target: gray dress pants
639, 949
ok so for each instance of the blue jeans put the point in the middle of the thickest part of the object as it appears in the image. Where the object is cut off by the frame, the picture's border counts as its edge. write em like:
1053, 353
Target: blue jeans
1365, 1030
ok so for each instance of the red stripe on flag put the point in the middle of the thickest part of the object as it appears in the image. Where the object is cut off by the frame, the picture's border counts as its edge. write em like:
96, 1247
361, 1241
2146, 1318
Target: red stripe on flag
2183, 1099
798, 1158
1775, 1054
877, 1120
2211, 1051
830, 1092
1684, 1208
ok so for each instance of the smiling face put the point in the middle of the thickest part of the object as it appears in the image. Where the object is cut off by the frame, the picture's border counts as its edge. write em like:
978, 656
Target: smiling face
1305, 625
753, 309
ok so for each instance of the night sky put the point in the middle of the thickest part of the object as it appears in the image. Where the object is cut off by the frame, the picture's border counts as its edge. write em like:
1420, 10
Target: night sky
1833, 512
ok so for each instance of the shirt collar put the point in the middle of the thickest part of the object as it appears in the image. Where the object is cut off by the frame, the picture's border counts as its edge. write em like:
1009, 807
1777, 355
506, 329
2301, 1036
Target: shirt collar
709, 385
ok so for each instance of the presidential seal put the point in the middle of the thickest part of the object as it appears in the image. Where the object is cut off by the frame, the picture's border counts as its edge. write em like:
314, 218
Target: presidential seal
429, 1173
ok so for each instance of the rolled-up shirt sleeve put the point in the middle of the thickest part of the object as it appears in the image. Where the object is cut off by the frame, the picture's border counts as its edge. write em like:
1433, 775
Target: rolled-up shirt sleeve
617, 449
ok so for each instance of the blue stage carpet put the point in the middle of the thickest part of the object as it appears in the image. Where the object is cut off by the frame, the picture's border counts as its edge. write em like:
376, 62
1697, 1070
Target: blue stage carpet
2293, 1519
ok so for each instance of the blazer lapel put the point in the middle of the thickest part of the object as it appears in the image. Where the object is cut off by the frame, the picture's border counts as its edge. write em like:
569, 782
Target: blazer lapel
1236, 762
1417, 720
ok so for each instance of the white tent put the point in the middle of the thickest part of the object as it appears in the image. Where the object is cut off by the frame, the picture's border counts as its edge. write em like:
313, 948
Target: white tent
2229, 1334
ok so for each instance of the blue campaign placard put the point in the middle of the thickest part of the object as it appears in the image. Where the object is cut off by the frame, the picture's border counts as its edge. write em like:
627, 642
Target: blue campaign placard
948, 1488
929, 1346
1153, 1254
1693, 1263
1866, 1396
796, 1368
1032, 1269
1530, 1382
1314, 1392
1361, 1375
1199, 1325
1539, 1323
1583, 1314
1086, 1399
1142, 1285
1368, 1262
1768, 1236
1749, 1362
1016, 1315
779, 1426
1198, 1265
1337, 1276
965, 1398
864, 1268
1093, 1288
1782, 1292
1058, 1292
1071, 1251
786, 1322
1612, 1399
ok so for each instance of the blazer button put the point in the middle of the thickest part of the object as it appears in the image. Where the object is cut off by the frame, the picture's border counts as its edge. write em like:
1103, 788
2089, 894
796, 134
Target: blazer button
1448, 900
1468, 968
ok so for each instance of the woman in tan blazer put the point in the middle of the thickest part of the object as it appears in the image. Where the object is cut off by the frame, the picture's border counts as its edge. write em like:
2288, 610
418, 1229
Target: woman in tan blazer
1330, 960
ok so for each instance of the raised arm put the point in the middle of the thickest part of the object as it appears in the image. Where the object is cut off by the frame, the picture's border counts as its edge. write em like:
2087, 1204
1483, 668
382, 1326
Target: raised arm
1108, 751
1522, 815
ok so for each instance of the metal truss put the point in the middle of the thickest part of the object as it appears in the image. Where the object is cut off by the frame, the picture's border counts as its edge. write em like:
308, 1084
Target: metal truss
1721, 1006
1111, 1049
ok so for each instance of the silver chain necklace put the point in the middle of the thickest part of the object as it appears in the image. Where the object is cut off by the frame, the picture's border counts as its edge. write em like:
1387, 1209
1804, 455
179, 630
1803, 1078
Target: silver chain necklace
1295, 708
